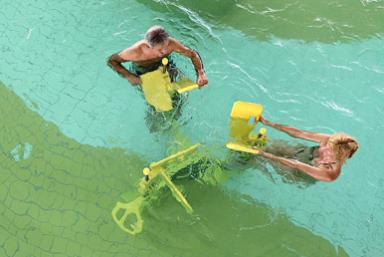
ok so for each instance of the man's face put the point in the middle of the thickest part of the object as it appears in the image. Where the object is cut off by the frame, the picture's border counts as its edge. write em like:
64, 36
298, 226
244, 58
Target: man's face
161, 48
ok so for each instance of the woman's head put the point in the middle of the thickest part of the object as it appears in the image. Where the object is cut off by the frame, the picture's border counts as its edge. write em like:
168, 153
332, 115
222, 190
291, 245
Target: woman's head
343, 145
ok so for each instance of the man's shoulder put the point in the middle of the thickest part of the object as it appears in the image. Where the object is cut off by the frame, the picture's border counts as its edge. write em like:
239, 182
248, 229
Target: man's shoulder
139, 46
176, 45
134, 50
173, 41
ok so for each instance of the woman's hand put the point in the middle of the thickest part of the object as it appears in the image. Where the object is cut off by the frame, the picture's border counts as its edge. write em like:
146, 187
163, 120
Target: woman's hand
265, 121
261, 152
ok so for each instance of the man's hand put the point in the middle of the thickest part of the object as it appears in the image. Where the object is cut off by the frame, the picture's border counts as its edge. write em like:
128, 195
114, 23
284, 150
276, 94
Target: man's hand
202, 80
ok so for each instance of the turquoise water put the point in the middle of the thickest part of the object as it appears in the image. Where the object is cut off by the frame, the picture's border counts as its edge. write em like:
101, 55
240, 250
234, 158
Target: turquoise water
54, 58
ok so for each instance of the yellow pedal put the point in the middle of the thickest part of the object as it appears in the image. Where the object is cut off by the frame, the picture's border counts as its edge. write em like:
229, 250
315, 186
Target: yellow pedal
133, 208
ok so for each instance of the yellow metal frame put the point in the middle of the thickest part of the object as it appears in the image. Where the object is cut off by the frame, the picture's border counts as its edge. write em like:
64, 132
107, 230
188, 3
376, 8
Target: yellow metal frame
155, 170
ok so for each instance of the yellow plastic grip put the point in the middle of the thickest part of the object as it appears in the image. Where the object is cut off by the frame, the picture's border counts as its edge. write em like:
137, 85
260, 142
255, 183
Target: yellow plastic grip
263, 131
146, 171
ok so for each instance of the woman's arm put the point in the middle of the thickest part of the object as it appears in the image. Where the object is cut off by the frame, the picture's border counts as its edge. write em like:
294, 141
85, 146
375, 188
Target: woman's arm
323, 174
295, 132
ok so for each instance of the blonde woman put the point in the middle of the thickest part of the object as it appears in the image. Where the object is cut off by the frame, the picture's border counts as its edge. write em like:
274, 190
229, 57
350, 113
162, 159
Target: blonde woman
322, 162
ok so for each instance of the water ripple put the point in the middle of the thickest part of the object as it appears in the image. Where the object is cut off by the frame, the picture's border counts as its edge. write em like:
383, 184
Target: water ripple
334, 106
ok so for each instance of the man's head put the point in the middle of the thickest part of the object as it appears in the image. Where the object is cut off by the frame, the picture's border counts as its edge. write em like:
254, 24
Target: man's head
156, 35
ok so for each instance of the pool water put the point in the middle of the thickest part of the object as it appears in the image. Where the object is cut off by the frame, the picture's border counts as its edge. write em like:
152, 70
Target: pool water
73, 135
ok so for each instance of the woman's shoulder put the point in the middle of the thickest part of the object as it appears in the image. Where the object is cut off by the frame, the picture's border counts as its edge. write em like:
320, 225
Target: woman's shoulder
331, 168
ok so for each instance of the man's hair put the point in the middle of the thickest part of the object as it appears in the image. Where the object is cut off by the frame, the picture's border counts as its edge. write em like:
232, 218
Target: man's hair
156, 35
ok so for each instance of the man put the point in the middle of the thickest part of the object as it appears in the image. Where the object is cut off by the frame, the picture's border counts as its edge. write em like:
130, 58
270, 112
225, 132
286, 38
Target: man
146, 56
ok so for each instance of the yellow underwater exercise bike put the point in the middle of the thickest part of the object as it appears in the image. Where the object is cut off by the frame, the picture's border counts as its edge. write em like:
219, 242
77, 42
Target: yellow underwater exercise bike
158, 88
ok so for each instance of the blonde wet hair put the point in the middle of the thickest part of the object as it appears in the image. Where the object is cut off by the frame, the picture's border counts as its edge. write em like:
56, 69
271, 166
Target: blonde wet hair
343, 145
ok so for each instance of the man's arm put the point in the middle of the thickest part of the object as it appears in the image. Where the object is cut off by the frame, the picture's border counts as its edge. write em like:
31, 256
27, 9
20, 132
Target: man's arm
115, 62
295, 132
323, 174
196, 60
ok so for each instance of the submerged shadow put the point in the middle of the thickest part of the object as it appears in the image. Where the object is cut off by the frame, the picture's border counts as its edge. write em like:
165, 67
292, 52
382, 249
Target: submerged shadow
56, 197
227, 224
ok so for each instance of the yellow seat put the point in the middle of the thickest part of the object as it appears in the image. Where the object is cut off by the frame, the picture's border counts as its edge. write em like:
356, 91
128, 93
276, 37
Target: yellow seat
245, 110
244, 117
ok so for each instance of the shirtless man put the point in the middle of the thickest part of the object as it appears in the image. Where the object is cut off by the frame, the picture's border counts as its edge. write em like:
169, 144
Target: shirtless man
146, 55
325, 161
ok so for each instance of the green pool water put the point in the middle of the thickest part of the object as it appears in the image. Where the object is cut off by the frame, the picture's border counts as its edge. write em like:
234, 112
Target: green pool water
73, 135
